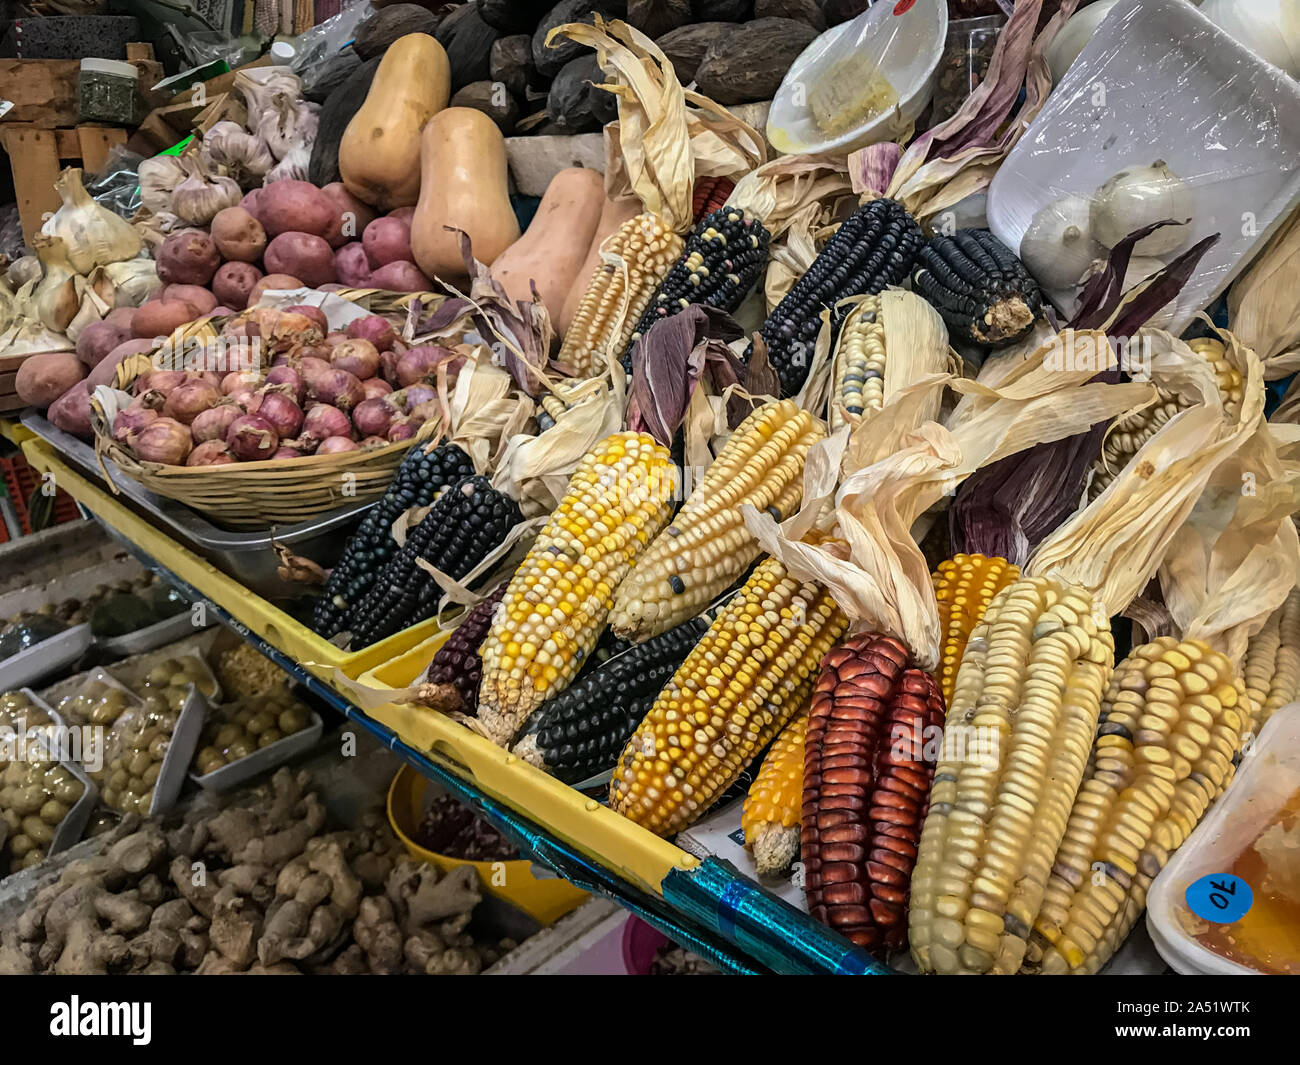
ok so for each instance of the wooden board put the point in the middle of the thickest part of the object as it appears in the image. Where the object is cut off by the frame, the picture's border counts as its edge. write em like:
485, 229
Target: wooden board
34, 156
94, 143
44, 91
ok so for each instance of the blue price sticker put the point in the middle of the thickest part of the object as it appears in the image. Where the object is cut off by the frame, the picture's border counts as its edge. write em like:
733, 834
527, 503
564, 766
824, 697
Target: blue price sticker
1220, 898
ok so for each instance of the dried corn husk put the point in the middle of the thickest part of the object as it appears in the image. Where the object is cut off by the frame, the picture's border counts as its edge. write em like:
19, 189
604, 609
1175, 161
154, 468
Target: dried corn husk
894, 471
784, 189
665, 136
1264, 303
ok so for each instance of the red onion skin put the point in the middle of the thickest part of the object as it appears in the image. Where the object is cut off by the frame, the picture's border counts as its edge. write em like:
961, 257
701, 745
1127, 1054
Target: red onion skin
187, 401
160, 381
374, 328
288, 378
332, 444
283, 452
212, 423
420, 364
251, 438
388, 366
323, 421
164, 440
211, 453
411, 397
333, 340
280, 410
358, 357
425, 412
314, 313
376, 387
373, 417
243, 397
310, 368
402, 429
374, 441
212, 377
338, 388
132, 420
240, 379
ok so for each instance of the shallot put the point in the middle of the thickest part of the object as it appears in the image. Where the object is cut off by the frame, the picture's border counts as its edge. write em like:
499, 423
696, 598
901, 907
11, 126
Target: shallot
280, 410
187, 401
314, 313
332, 444
163, 440
252, 437
212, 423
240, 379
160, 381
421, 363
286, 452
338, 388
287, 378
402, 429
142, 411
310, 368
211, 453
323, 421
374, 328
374, 416
374, 387
358, 357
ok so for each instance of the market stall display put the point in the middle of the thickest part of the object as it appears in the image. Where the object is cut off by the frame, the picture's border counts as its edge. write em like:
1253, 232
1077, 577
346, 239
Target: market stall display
852, 493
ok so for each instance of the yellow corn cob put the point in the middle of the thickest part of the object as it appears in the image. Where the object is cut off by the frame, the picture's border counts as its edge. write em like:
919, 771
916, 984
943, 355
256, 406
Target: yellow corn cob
770, 819
648, 247
556, 604
859, 366
1019, 730
707, 547
1272, 665
1171, 725
964, 587
1128, 434
751, 672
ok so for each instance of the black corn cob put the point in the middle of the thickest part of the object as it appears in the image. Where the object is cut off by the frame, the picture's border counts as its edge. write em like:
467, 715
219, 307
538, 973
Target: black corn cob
465, 524
420, 477
583, 730
724, 257
874, 248
979, 287
452, 678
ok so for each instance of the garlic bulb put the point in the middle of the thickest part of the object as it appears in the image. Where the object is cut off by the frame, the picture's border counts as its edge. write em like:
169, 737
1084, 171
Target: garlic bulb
28, 268
1058, 247
288, 123
92, 235
1138, 197
200, 196
293, 167
259, 84
158, 177
153, 226
93, 306
136, 280
243, 155
56, 297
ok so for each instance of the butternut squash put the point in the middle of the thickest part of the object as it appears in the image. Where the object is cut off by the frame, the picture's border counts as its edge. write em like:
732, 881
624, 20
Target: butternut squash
379, 154
612, 215
555, 245
464, 184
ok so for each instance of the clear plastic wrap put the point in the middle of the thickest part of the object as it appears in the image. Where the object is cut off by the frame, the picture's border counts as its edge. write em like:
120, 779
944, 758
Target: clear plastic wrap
861, 82
967, 54
117, 185
321, 42
1162, 116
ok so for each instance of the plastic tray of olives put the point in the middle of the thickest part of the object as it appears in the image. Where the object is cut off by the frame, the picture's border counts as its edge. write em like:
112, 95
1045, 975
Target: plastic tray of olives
46, 798
253, 735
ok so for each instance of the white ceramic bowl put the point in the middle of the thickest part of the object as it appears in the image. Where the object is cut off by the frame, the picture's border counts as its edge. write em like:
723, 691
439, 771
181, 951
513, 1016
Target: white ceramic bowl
907, 48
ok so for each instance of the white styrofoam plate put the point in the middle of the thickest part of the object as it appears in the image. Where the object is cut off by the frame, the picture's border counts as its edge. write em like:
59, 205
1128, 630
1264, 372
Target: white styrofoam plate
46, 657
1157, 81
264, 758
169, 630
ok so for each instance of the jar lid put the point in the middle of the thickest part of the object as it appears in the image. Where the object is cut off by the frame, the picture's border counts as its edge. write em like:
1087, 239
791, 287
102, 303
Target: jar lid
111, 66
282, 52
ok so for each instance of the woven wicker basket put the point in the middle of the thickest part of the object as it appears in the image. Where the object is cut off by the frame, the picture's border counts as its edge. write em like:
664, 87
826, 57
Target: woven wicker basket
256, 495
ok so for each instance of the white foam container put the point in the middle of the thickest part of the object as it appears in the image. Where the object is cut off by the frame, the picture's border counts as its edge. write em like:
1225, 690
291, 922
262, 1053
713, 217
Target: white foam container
907, 48
169, 630
1175, 88
263, 759
1268, 776
48, 656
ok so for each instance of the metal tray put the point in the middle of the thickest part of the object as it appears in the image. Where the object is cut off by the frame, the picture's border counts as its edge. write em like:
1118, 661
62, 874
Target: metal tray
248, 557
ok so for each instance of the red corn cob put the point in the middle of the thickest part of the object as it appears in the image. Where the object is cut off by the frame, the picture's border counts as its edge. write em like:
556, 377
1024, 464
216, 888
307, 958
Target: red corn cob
710, 194
866, 788
452, 679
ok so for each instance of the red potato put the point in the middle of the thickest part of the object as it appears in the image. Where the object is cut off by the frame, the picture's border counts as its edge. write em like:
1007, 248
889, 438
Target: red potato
400, 277
351, 215
158, 318
41, 379
187, 257
98, 339
238, 235
272, 281
250, 203
201, 298
302, 255
403, 214
295, 207
234, 282
71, 411
105, 370
387, 240
352, 265
120, 317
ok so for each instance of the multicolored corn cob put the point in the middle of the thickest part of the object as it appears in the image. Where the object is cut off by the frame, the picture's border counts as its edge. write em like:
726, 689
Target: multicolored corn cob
866, 788
736, 690
1171, 726
452, 678
858, 370
770, 818
555, 608
707, 547
964, 586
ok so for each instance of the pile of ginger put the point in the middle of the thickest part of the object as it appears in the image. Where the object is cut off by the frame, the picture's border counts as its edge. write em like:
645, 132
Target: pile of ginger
261, 888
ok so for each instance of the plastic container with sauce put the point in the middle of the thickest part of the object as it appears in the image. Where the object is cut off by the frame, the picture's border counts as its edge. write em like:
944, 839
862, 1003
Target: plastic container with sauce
1253, 834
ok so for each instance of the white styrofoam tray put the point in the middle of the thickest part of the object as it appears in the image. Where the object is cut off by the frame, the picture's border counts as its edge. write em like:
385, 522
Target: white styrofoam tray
1158, 80
46, 657
264, 758
169, 630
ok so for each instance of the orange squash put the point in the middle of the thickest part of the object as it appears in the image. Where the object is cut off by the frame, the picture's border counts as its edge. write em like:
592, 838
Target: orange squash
612, 215
379, 154
464, 184
554, 248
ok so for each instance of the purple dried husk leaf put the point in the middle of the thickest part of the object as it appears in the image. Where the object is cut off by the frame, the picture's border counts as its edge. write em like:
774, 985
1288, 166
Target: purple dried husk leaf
424, 325
1165, 286
1105, 289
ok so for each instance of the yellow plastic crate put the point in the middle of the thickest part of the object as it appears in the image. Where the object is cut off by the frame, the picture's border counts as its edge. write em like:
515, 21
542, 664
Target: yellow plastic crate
267, 620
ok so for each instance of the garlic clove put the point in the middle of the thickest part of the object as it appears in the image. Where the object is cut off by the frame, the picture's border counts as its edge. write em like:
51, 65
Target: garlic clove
1137, 197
